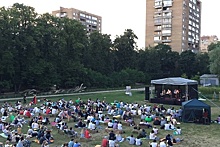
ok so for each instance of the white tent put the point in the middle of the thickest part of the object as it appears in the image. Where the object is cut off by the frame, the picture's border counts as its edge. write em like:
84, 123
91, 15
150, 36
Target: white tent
191, 86
174, 81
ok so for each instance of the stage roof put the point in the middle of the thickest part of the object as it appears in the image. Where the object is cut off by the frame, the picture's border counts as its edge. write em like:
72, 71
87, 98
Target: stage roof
174, 81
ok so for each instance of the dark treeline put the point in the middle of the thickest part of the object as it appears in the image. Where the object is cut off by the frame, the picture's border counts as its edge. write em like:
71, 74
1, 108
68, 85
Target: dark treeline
39, 51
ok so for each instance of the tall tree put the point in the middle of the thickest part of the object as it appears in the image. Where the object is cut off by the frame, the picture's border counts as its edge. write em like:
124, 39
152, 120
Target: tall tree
214, 56
213, 46
19, 20
168, 60
187, 63
99, 53
149, 63
125, 50
202, 63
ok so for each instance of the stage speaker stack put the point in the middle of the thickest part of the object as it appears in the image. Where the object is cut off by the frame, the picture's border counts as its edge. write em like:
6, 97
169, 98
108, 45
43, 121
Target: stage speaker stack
147, 93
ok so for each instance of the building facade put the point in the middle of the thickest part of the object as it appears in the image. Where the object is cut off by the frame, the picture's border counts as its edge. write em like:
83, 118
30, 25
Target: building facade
91, 21
206, 41
173, 22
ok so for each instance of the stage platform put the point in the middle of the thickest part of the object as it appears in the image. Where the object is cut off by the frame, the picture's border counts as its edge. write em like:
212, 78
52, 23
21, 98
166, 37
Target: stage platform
169, 101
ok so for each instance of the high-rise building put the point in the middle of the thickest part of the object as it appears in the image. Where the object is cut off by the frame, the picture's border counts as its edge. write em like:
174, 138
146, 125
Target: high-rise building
206, 41
91, 21
173, 22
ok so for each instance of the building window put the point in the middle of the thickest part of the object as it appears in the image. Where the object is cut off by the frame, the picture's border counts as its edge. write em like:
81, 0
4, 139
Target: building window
190, 5
63, 14
94, 18
158, 4
58, 15
82, 15
157, 38
166, 31
167, 3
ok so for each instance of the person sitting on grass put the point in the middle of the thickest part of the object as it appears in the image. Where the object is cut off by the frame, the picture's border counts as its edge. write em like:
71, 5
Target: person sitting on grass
71, 143
76, 144
120, 127
87, 134
217, 120
131, 140
119, 137
142, 134
104, 142
163, 143
138, 141
177, 131
82, 133
152, 135
112, 135
155, 130
80, 124
154, 143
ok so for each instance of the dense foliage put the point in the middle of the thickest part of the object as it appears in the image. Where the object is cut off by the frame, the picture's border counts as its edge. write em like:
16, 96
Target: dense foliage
39, 51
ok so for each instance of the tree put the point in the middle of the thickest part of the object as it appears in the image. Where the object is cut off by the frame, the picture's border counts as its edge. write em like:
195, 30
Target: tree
213, 46
99, 54
17, 28
168, 60
187, 63
149, 63
125, 46
202, 63
214, 56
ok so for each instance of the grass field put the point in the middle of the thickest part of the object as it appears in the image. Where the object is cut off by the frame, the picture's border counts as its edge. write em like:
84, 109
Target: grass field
194, 135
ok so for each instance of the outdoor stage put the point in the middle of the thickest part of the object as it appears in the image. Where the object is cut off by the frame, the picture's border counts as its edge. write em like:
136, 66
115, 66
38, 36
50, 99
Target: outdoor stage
174, 90
167, 100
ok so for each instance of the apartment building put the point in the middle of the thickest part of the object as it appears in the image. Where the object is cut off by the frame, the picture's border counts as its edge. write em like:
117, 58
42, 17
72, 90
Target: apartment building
91, 21
206, 41
173, 22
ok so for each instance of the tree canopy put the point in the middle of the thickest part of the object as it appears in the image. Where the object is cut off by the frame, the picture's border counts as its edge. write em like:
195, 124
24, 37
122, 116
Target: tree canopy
40, 50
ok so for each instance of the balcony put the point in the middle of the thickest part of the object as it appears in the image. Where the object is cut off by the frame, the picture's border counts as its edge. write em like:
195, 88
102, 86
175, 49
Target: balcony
157, 22
168, 10
166, 34
167, 5
157, 35
166, 41
157, 29
157, 41
167, 28
167, 22
158, 6
167, 16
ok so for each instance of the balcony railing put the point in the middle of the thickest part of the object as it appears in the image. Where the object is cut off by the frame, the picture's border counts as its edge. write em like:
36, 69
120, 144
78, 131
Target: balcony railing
157, 29
168, 5
167, 22
157, 41
157, 22
156, 35
166, 40
158, 6
166, 34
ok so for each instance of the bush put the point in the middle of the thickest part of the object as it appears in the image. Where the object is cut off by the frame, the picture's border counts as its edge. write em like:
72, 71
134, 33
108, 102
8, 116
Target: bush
209, 90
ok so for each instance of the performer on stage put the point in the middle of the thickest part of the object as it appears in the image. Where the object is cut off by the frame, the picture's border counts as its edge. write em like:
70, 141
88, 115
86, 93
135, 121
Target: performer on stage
169, 92
176, 93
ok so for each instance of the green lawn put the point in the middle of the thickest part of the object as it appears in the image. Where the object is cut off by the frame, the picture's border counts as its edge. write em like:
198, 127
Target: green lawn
194, 135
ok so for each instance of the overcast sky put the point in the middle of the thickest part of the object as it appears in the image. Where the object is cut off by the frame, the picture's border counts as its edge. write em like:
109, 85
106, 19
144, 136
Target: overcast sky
118, 15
